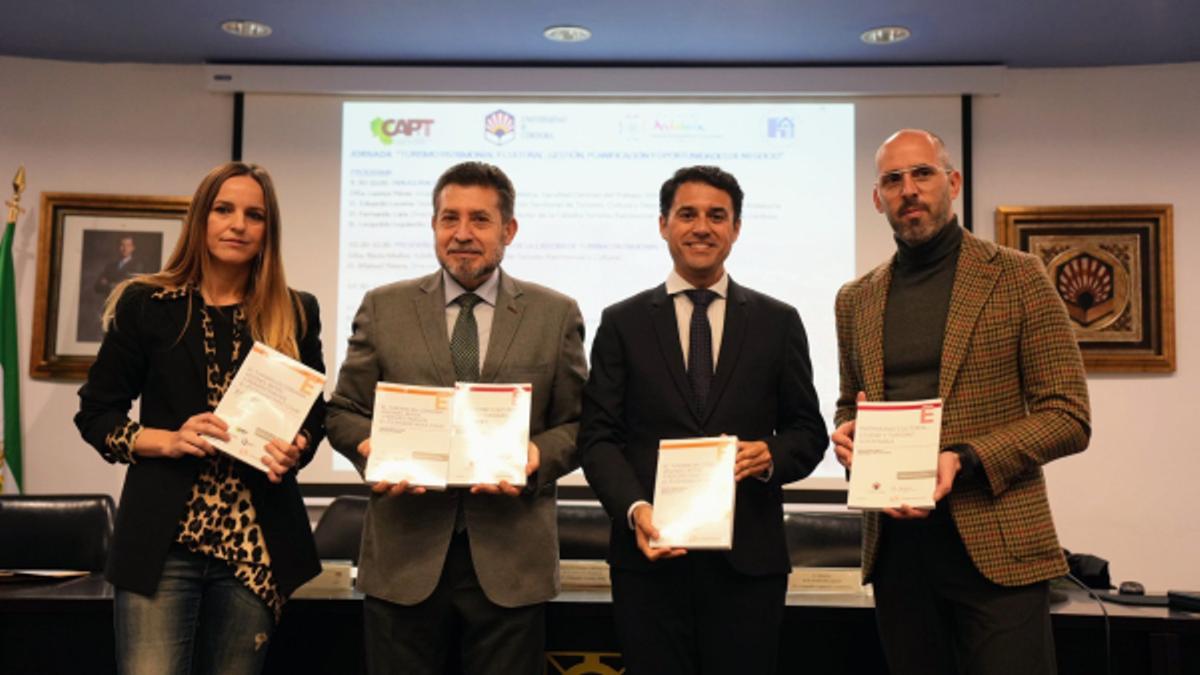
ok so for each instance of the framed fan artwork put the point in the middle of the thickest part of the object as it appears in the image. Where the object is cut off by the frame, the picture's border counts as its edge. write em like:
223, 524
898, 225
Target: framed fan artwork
1113, 268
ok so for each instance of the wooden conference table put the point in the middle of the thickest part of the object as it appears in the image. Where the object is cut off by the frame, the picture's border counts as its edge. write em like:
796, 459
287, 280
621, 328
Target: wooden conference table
66, 627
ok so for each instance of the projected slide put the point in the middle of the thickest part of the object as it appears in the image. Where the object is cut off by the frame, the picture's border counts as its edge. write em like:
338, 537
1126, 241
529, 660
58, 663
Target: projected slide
587, 176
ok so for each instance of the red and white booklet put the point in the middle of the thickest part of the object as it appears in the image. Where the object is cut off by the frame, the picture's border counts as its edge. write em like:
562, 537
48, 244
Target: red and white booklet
490, 442
895, 454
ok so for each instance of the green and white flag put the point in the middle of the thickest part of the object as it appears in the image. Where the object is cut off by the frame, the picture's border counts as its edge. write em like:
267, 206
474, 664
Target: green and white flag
11, 476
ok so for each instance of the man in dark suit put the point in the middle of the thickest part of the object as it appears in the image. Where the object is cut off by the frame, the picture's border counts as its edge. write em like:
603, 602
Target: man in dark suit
699, 356
465, 569
124, 266
962, 588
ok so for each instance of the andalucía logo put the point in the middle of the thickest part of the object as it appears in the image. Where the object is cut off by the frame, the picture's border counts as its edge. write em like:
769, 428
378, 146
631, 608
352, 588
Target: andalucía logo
499, 127
384, 130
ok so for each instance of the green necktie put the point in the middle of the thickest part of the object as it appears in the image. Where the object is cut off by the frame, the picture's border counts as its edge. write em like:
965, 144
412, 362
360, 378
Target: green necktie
464, 342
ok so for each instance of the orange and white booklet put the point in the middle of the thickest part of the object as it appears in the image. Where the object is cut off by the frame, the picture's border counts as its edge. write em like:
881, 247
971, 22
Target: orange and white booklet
694, 493
268, 398
410, 435
895, 454
490, 442
437, 436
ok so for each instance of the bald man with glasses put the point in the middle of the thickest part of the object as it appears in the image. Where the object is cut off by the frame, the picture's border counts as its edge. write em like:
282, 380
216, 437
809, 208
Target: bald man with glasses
962, 588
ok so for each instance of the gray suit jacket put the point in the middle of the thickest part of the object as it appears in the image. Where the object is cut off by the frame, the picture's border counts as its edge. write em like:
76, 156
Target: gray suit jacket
399, 335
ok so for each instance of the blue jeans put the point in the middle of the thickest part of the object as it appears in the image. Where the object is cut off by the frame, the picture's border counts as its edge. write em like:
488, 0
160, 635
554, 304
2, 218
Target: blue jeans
200, 620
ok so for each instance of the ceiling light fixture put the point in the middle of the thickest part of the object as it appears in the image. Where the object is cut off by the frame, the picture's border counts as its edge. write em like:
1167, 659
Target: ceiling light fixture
245, 28
885, 35
567, 33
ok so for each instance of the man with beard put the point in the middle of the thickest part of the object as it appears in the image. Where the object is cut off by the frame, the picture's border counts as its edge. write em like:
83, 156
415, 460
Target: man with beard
961, 588
467, 570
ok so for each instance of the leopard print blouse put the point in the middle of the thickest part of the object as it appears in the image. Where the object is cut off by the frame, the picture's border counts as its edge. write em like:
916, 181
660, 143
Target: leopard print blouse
220, 521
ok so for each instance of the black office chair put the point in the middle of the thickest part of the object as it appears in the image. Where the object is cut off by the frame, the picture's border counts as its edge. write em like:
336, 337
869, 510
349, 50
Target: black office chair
583, 531
339, 531
824, 539
70, 532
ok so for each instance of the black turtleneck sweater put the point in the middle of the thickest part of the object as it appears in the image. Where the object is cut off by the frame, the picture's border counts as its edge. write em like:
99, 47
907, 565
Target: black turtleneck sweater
914, 323
915, 320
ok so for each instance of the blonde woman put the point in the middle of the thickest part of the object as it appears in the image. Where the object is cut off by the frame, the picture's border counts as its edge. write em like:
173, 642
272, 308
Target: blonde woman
206, 549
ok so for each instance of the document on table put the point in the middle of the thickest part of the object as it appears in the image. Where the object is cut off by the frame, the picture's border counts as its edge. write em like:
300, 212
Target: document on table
17, 576
269, 398
410, 435
490, 440
694, 493
896, 447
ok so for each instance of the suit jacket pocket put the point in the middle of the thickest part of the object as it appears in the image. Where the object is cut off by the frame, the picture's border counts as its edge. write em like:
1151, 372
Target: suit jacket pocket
1023, 513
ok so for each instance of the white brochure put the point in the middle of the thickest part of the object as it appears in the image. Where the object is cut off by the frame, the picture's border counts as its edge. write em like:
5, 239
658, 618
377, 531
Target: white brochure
268, 398
410, 435
490, 442
896, 447
694, 493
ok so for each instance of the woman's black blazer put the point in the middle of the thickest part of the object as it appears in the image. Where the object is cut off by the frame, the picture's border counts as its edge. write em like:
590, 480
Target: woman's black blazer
148, 353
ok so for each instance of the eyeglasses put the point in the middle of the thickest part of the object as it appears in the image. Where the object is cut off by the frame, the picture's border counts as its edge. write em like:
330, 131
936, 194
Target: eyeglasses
922, 175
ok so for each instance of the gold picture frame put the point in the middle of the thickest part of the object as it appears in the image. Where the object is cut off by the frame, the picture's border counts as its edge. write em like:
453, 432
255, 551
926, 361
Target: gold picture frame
86, 244
1113, 266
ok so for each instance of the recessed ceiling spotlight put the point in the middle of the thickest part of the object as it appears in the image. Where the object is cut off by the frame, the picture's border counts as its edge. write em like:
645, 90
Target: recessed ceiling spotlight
567, 33
246, 29
885, 35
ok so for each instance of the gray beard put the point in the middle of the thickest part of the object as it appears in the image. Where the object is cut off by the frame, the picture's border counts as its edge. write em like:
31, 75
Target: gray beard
905, 233
477, 279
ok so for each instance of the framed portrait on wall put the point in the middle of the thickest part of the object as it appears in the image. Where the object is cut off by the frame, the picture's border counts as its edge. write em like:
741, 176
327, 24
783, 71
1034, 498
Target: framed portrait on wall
1113, 268
87, 245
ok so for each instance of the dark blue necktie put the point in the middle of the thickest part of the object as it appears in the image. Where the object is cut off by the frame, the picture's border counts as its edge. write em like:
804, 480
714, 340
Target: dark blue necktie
700, 348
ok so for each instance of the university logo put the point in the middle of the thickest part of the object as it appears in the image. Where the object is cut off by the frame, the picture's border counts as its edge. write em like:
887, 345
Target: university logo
781, 127
499, 127
386, 130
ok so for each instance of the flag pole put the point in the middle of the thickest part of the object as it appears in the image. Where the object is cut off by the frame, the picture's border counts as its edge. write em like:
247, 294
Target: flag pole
10, 439
14, 204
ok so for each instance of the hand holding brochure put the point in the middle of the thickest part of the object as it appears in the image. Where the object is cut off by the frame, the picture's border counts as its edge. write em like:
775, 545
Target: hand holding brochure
490, 442
694, 493
896, 447
269, 398
410, 435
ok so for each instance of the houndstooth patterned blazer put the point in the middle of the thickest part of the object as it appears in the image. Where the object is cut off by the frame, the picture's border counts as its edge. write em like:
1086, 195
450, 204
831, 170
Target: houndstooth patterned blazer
1014, 388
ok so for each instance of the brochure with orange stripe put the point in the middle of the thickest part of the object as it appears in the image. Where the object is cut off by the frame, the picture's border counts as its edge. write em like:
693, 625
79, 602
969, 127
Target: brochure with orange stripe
268, 399
490, 442
438, 436
694, 493
895, 454
410, 435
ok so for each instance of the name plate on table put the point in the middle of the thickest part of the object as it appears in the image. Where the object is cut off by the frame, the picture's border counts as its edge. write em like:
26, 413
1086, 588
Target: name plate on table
827, 580
694, 493
268, 399
896, 447
410, 435
575, 574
